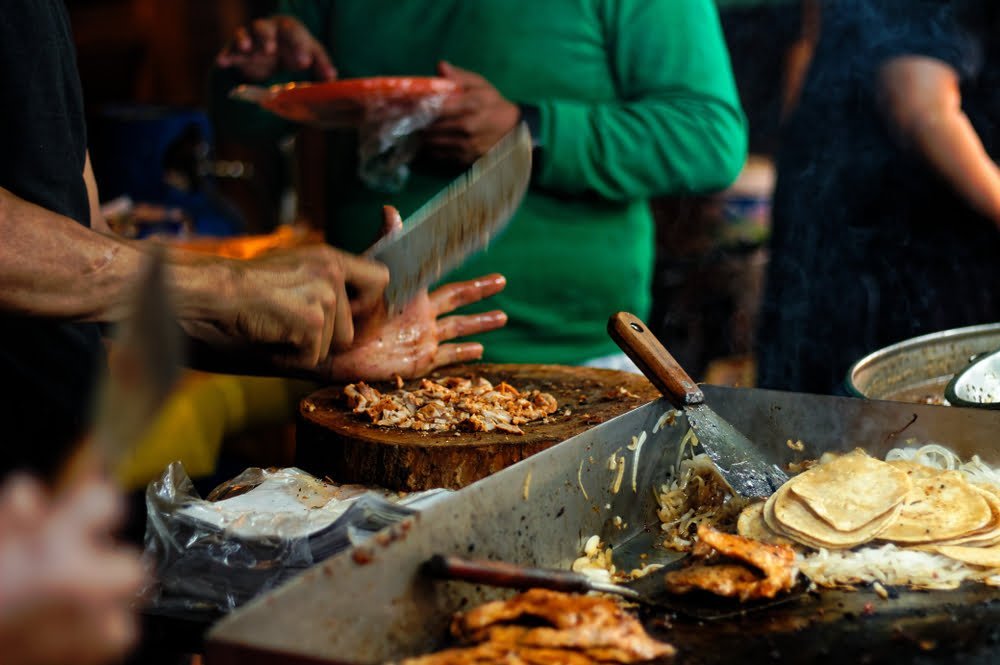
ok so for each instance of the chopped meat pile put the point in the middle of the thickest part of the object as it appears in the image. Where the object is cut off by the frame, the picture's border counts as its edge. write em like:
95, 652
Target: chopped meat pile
771, 568
541, 626
453, 403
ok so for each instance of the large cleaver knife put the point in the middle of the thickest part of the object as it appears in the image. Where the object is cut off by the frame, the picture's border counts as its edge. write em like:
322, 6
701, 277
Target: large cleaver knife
458, 221
148, 353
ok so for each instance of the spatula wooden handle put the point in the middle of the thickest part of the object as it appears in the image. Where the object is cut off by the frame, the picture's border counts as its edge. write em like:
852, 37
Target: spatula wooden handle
505, 575
641, 345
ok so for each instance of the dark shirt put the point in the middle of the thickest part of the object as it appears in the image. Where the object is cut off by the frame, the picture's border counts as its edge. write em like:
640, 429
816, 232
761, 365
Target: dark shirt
46, 367
869, 245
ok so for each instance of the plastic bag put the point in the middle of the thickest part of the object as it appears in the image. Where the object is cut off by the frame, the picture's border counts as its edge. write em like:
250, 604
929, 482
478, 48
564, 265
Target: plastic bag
388, 112
388, 141
255, 532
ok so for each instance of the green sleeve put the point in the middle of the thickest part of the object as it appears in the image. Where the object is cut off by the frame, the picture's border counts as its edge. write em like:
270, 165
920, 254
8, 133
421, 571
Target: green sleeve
678, 126
314, 14
242, 121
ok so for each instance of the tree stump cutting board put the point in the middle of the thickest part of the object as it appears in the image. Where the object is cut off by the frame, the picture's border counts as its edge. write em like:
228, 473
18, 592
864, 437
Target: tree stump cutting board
332, 441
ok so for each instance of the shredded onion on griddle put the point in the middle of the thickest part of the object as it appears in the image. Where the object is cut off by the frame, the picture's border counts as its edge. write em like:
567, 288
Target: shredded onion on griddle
937, 456
696, 494
889, 565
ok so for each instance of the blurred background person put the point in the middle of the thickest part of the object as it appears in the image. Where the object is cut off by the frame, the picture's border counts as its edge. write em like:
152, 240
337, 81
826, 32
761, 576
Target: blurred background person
625, 102
768, 71
711, 250
887, 206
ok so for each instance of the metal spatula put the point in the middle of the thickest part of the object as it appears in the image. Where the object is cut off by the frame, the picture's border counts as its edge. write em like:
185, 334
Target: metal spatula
739, 460
647, 590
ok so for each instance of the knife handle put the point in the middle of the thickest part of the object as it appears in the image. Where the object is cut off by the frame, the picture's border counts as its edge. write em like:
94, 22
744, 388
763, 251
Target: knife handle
641, 345
505, 575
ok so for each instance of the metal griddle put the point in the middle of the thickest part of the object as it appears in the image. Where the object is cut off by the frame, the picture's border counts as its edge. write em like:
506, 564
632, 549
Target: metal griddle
371, 604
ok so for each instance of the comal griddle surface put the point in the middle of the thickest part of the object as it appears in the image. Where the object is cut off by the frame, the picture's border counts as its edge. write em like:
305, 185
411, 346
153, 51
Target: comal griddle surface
910, 627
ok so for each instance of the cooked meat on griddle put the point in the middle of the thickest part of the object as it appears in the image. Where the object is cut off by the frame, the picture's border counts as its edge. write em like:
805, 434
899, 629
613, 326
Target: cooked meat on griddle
777, 562
453, 403
731, 580
771, 568
493, 653
539, 619
541, 627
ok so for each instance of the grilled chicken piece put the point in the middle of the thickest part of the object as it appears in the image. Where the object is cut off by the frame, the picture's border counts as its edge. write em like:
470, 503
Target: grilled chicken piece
595, 626
360, 395
724, 579
773, 567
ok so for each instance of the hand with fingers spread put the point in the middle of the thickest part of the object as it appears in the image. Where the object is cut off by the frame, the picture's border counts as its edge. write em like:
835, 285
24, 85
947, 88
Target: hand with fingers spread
65, 587
414, 342
472, 119
269, 45
292, 305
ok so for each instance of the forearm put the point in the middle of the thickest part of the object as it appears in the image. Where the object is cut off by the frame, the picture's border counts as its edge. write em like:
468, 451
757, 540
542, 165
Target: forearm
629, 150
950, 145
51, 266
675, 125
921, 99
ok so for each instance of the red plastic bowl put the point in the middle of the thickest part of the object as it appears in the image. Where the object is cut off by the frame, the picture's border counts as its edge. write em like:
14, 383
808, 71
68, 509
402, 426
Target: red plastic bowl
344, 103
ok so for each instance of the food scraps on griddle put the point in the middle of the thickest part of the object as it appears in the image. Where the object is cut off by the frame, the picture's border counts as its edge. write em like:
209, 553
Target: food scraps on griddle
735, 567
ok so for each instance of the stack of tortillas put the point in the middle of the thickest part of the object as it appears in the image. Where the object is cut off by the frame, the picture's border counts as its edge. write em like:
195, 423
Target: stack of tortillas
855, 499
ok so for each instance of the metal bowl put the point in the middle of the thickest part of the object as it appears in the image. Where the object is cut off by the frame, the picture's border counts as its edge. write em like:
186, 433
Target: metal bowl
919, 369
978, 385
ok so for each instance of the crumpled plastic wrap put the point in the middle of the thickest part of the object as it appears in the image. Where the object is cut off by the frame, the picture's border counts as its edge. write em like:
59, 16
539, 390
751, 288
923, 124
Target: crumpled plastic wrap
254, 532
388, 141
387, 112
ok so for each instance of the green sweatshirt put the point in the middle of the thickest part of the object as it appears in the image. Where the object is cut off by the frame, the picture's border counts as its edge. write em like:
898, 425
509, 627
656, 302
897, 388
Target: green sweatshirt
636, 99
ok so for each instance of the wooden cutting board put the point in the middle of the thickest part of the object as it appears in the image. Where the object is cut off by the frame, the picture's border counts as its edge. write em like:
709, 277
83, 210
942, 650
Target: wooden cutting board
332, 441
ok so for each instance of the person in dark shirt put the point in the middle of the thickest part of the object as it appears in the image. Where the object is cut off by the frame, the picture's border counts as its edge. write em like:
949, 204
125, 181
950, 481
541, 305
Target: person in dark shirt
65, 586
887, 206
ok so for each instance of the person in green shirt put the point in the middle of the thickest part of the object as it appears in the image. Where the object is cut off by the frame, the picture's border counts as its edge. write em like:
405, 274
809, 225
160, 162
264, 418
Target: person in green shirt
626, 100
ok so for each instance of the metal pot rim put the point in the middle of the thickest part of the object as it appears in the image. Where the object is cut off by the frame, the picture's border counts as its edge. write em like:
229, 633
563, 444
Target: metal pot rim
911, 344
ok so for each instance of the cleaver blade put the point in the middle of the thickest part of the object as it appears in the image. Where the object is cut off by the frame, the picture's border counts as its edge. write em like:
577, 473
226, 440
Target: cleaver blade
459, 221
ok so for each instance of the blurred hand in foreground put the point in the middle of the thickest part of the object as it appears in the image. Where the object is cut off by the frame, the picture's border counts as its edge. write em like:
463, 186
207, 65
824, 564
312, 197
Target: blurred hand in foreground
413, 343
273, 44
65, 586
472, 119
